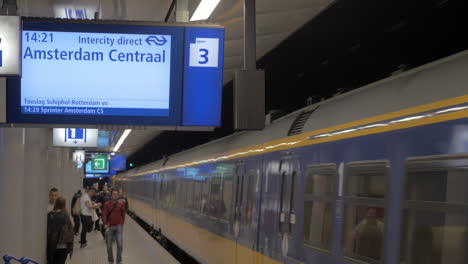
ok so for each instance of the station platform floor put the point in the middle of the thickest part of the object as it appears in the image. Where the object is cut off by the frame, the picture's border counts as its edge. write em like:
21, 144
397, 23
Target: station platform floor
138, 248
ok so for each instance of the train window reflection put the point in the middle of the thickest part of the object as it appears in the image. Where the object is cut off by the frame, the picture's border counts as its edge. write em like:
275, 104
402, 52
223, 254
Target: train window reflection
318, 224
438, 185
434, 237
364, 232
435, 221
227, 196
319, 201
364, 215
215, 204
198, 193
366, 180
205, 196
190, 194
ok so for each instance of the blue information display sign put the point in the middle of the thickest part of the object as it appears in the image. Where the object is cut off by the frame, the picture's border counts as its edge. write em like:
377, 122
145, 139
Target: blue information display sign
118, 74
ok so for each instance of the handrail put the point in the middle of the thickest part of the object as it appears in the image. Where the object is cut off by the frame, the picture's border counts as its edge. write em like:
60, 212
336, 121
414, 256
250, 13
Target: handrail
22, 260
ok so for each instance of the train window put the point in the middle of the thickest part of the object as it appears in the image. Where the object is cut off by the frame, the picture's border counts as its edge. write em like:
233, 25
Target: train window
205, 202
172, 191
197, 195
164, 189
435, 210
227, 196
364, 213
250, 196
366, 179
319, 200
190, 194
215, 196
181, 192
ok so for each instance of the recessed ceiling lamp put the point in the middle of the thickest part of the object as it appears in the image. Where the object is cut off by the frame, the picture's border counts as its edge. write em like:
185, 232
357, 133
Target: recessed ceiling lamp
122, 139
204, 9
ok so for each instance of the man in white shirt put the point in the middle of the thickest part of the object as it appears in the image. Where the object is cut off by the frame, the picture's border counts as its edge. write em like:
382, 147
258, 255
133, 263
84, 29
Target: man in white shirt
53, 194
87, 208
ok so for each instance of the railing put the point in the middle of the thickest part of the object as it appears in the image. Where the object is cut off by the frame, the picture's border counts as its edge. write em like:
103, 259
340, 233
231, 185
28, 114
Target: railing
7, 260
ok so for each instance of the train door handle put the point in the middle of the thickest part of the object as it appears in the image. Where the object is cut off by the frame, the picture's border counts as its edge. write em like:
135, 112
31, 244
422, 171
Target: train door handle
292, 219
282, 217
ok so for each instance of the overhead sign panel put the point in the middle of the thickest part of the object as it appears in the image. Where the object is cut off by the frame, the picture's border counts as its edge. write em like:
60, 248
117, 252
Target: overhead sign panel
203, 74
118, 74
75, 137
97, 163
100, 163
79, 156
10, 43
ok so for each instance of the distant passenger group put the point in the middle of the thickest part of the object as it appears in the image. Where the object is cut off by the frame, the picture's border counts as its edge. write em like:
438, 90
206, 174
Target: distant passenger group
88, 208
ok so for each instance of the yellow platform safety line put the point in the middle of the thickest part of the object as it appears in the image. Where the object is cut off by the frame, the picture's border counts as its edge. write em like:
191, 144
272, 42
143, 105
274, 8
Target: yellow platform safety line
303, 139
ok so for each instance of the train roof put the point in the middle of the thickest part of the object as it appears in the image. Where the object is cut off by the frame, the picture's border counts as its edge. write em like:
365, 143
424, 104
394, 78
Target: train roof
436, 81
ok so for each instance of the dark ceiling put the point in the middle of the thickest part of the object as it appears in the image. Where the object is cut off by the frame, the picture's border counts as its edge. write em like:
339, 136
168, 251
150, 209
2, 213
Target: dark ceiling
351, 44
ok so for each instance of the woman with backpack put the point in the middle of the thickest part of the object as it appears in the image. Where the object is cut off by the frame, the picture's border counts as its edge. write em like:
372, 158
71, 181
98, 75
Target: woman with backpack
59, 233
76, 211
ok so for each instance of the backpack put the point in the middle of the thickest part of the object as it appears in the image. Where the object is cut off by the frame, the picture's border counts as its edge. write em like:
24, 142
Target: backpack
66, 234
76, 210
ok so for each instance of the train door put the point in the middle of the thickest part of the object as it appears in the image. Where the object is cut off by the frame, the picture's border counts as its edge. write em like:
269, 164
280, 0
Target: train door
246, 210
289, 176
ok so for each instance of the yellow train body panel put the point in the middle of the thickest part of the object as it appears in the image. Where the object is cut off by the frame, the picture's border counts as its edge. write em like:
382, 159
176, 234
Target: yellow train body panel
201, 244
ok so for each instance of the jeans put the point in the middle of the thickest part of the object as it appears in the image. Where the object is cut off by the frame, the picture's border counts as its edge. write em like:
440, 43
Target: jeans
96, 224
60, 256
76, 228
114, 232
86, 226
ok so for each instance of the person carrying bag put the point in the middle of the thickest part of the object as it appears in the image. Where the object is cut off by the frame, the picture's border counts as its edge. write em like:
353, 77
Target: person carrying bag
59, 233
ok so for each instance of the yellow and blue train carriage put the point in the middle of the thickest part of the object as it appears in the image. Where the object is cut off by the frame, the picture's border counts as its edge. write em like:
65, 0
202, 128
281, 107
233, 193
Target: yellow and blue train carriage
378, 175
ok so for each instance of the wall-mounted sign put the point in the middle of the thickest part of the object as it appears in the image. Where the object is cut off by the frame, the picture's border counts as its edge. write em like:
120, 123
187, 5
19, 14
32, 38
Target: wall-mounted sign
97, 163
10, 53
118, 162
118, 74
75, 137
79, 156
100, 162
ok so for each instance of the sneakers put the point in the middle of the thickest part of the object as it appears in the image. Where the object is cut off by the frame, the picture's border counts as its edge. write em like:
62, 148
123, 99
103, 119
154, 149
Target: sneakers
83, 245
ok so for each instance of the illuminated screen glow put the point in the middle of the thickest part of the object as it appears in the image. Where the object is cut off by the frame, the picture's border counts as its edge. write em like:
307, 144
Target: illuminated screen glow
61, 71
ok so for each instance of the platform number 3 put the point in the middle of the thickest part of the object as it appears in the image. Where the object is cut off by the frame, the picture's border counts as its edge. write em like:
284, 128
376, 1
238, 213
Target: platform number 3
204, 52
204, 56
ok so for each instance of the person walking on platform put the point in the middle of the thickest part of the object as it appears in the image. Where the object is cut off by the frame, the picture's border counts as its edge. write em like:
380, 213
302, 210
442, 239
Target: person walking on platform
76, 211
87, 208
59, 233
53, 194
103, 198
97, 213
114, 219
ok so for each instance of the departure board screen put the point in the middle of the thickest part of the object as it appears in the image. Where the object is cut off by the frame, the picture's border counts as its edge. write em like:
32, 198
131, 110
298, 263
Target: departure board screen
79, 73
87, 73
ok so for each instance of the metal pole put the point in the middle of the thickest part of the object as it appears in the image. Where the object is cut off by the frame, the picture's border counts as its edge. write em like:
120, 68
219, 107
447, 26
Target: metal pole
250, 35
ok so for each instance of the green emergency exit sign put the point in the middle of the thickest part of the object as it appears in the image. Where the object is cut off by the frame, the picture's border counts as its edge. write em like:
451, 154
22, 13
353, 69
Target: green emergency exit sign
100, 163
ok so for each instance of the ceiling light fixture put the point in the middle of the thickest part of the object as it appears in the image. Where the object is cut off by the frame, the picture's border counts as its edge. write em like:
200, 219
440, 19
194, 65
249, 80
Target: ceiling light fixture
122, 139
204, 9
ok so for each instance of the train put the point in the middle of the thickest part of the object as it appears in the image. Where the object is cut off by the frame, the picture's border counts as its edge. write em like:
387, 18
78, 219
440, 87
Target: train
375, 175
